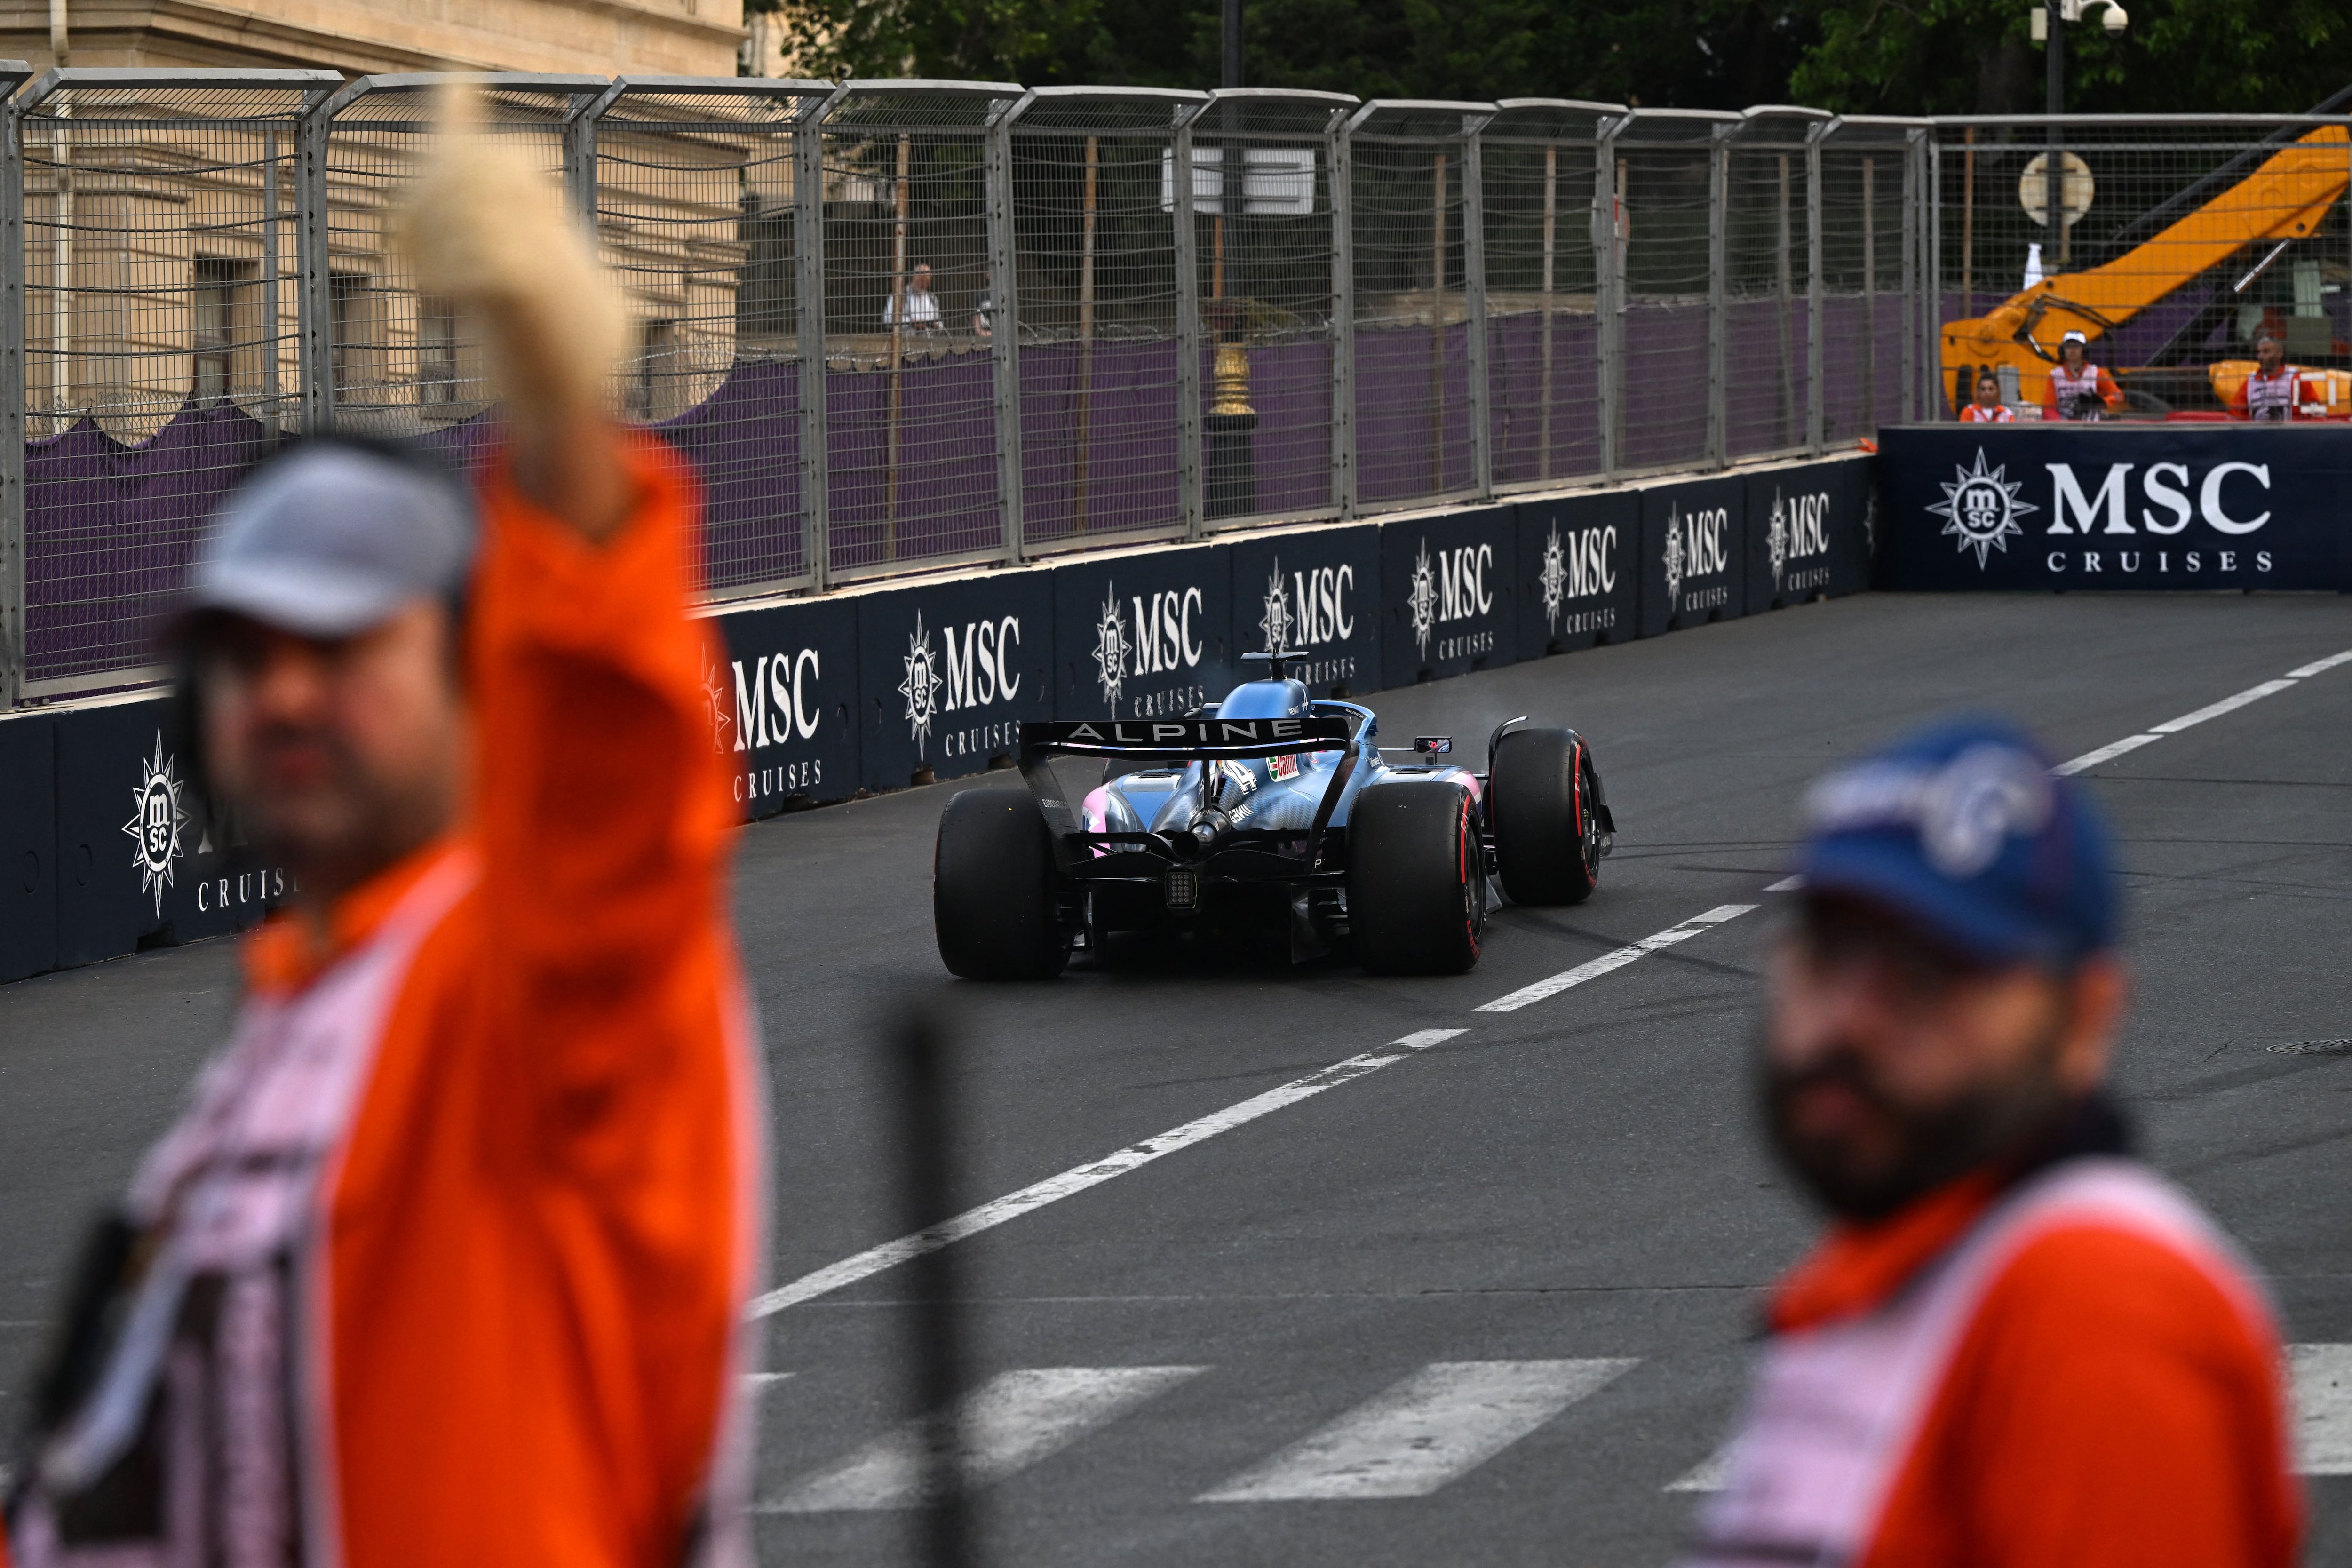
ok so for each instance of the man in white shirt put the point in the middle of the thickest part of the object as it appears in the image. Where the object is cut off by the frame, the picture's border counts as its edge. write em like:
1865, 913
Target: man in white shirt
917, 310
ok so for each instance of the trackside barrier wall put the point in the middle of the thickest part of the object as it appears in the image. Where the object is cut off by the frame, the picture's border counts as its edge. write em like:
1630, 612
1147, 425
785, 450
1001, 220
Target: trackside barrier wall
106, 847
2190, 507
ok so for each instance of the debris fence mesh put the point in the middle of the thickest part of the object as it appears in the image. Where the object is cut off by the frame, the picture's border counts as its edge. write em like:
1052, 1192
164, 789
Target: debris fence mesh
903, 325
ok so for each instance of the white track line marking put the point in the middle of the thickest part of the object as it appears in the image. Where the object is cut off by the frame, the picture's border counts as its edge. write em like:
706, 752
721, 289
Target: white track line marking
1608, 962
2230, 704
2215, 710
1006, 1425
1440, 1424
2105, 754
2323, 1407
1787, 885
1079, 1178
1707, 1476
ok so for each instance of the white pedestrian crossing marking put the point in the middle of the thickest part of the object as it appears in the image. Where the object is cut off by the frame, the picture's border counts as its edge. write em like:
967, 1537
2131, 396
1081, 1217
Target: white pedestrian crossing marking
2323, 1408
1009, 1423
1433, 1427
1707, 1476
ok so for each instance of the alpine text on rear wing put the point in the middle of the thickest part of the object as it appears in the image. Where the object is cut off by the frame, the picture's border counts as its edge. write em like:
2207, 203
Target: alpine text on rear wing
1186, 738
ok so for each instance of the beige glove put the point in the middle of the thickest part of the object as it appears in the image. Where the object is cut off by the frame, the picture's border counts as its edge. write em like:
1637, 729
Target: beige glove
486, 230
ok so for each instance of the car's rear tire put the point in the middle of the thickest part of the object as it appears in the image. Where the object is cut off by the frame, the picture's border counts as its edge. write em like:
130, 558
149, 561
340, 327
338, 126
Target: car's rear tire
1543, 804
1416, 881
992, 895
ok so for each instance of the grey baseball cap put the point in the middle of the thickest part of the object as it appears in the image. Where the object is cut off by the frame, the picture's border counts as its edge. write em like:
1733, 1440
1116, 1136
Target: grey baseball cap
330, 538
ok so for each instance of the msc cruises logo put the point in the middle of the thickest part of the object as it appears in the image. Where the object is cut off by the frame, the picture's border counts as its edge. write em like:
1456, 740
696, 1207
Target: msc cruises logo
1553, 578
1981, 507
1776, 539
1675, 558
921, 687
158, 817
716, 701
1111, 648
1275, 620
1422, 602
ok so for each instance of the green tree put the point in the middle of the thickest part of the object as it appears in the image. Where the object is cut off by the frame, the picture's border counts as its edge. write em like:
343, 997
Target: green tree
1957, 57
1884, 57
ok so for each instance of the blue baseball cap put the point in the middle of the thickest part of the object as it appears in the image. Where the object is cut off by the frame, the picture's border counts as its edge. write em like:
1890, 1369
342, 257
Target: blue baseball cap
332, 537
1962, 830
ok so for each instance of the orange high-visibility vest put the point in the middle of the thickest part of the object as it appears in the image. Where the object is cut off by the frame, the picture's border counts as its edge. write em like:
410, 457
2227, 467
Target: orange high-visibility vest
2080, 1375
499, 1137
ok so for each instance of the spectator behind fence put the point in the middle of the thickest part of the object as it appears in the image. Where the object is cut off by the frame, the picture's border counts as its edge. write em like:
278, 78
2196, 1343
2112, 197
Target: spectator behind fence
2273, 393
2079, 389
2017, 1345
920, 306
446, 1262
1987, 408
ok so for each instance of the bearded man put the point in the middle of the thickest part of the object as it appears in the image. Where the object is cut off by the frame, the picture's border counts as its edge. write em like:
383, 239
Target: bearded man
2016, 1346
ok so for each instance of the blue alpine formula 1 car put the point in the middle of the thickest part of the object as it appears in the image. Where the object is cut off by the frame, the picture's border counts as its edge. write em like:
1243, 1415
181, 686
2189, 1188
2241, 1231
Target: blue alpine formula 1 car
1265, 817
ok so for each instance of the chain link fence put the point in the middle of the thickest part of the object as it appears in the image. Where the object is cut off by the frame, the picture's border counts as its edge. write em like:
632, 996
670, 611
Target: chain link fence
2174, 244
1270, 271
1107, 319
905, 325
1537, 185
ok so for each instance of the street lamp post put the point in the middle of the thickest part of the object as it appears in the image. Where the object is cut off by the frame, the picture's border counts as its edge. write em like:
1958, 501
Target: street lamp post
2050, 19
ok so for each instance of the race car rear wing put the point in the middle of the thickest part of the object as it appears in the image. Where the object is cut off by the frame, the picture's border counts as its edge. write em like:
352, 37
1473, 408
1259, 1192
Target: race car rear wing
1180, 741
1185, 740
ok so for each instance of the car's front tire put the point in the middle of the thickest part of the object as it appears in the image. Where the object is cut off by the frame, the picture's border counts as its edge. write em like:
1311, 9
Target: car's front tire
1543, 804
992, 895
1416, 881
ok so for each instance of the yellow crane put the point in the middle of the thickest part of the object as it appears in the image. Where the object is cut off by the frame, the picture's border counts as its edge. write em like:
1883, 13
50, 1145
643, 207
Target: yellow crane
2284, 199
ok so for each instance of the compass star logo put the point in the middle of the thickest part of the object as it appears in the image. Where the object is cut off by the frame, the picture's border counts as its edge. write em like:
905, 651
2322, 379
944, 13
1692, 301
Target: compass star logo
1553, 579
1776, 538
921, 687
1111, 648
1422, 602
1981, 507
158, 815
1275, 621
716, 703
1674, 555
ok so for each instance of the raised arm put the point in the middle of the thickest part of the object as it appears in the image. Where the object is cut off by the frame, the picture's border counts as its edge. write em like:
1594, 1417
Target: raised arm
598, 801
488, 233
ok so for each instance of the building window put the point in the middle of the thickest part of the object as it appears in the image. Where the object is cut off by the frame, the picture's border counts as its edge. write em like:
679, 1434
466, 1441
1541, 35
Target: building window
219, 309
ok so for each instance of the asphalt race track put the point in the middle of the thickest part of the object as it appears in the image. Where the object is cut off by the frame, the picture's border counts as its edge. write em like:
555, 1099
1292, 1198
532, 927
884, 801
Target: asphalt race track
1484, 1297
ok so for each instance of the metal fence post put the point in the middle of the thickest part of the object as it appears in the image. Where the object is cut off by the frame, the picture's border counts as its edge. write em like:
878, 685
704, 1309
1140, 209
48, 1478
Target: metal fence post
1816, 407
579, 153
12, 382
1004, 344
1913, 142
1343, 310
1718, 286
1474, 300
314, 303
1930, 232
808, 326
1188, 323
1608, 294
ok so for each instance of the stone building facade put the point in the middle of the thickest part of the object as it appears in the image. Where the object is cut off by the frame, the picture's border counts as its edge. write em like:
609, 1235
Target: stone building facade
161, 273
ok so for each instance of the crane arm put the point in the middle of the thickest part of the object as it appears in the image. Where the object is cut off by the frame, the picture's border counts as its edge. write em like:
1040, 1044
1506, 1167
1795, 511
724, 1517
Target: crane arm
2286, 198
